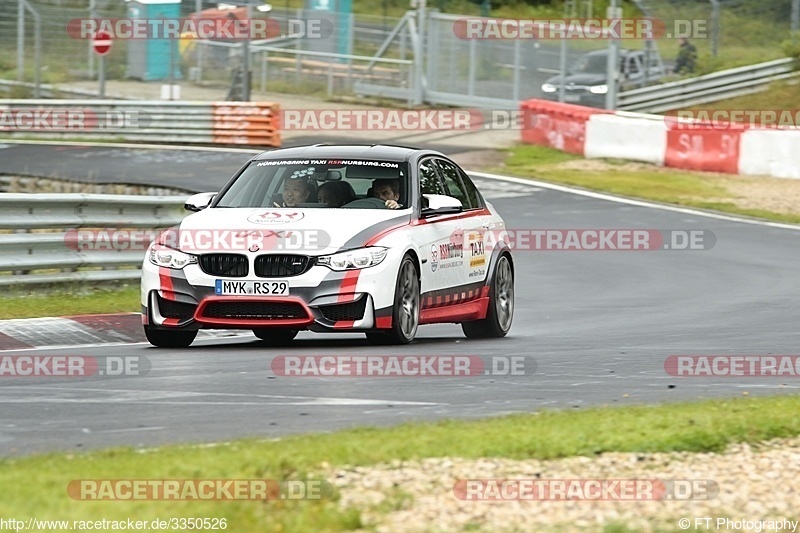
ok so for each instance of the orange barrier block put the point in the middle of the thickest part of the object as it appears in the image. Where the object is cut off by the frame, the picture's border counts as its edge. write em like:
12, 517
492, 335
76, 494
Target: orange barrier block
246, 123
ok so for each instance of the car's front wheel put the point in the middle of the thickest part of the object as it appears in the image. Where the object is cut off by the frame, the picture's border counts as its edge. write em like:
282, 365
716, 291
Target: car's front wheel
275, 337
501, 305
165, 338
405, 315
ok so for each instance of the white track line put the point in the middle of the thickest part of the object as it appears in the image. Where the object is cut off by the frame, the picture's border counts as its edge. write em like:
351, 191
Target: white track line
629, 201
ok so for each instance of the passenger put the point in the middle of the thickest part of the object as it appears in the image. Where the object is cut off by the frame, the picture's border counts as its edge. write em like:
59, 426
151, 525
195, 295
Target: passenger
331, 193
295, 191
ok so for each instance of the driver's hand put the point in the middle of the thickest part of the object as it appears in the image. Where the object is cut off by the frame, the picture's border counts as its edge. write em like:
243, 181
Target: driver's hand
391, 204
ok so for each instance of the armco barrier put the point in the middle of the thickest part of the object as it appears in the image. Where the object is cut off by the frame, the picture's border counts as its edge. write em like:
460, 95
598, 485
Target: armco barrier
561, 126
241, 123
46, 257
720, 147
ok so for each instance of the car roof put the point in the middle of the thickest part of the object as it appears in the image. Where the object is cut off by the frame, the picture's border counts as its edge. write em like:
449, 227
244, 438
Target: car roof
383, 152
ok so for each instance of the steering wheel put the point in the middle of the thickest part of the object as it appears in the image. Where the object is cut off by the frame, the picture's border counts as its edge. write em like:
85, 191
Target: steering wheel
366, 203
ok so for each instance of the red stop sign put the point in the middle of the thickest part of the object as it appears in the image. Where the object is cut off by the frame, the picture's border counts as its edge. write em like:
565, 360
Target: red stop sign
101, 43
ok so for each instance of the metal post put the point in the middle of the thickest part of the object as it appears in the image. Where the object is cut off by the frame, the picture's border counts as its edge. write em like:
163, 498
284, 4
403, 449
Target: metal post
92, 15
198, 8
714, 27
102, 77
517, 68
795, 17
246, 57
21, 40
420, 53
37, 36
171, 68
264, 71
473, 63
612, 72
562, 67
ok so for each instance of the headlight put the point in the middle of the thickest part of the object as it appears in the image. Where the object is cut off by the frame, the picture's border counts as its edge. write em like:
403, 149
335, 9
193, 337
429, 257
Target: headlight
354, 259
549, 88
599, 89
167, 257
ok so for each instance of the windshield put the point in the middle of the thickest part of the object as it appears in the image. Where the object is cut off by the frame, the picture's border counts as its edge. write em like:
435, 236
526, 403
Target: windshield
590, 64
319, 183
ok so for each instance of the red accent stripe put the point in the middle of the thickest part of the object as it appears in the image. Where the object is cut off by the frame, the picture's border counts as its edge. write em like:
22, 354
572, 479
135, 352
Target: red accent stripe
344, 323
348, 286
383, 322
245, 323
171, 321
474, 310
165, 280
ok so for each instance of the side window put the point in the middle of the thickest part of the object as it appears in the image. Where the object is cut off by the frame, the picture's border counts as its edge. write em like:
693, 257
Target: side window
633, 68
428, 179
452, 181
471, 190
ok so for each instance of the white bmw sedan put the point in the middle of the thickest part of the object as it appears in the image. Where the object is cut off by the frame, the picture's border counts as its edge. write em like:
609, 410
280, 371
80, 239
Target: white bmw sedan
374, 239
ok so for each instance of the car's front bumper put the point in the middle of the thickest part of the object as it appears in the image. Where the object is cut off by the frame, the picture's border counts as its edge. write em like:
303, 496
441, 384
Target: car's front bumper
319, 300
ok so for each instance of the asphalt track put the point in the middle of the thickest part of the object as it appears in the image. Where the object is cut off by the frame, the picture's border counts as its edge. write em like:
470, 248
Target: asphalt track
594, 328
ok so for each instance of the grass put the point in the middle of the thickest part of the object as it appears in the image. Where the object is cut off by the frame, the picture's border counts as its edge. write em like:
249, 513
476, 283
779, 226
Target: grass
39, 482
69, 300
778, 96
702, 190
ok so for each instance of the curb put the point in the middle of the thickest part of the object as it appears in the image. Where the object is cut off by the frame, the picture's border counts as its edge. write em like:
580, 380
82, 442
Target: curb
27, 333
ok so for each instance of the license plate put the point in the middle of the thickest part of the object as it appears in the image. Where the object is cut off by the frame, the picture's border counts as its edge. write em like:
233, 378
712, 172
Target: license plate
278, 287
572, 98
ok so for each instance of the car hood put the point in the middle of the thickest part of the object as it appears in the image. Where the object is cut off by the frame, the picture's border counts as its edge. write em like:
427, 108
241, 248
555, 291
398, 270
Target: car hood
579, 79
262, 230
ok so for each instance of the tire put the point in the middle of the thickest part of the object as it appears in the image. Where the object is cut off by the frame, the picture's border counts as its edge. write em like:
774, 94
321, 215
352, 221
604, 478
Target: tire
501, 305
405, 313
165, 338
275, 337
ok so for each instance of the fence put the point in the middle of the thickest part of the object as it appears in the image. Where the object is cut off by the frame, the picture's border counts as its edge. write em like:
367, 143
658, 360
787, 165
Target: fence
238, 123
35, 244
384, 56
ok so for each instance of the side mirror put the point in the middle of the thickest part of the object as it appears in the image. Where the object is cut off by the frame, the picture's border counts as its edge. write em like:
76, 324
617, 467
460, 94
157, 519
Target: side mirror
198, 202
439, 204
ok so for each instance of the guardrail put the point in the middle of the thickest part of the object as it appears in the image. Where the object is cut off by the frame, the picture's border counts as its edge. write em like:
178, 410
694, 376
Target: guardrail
239, 123
37, 231
708, 88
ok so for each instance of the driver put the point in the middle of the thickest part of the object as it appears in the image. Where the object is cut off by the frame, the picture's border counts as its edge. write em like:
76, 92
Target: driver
388, 191
295, 191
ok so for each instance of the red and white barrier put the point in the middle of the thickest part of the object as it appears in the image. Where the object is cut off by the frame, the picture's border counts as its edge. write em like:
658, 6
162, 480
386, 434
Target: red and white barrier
729, 148
770, 152
561, 126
